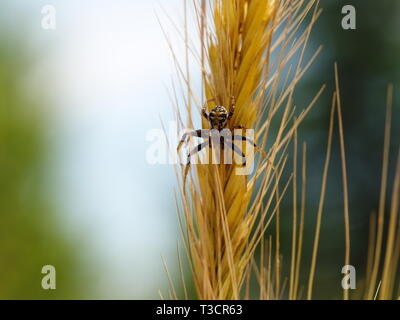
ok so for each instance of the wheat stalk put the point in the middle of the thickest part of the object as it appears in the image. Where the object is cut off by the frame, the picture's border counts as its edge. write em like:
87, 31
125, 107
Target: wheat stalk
223, 219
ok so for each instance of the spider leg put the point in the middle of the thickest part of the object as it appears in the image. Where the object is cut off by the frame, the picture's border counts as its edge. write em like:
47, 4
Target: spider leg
196, 133
204, 109
195, 150
204, 112
232, 107
243, 138
237, 150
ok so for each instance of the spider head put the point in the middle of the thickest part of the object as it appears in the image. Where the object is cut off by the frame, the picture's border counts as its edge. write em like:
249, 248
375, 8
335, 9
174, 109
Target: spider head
218, 117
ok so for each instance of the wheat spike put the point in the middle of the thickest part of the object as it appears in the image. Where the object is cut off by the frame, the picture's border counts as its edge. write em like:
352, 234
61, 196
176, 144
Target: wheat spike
224, 219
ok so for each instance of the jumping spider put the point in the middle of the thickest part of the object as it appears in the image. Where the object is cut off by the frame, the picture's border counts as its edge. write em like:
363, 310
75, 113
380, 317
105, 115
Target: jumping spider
218, 119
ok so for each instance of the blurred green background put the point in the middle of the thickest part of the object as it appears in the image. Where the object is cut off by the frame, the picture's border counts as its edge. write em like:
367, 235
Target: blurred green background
31, 236
101, 228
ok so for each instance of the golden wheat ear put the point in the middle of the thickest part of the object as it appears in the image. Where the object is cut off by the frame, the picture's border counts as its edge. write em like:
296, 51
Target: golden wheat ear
225, 217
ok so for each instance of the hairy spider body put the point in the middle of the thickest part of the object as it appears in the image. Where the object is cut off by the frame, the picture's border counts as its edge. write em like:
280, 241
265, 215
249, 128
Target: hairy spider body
218, 134
218, 117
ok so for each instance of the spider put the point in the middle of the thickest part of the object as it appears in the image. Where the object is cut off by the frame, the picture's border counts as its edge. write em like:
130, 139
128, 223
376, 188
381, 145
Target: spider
218, 119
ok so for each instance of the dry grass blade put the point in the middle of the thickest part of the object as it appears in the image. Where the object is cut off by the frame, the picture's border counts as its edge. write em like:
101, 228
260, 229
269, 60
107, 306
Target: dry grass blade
344, 177
382, 199
392, 251
321, 202
292, 295
301, 226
